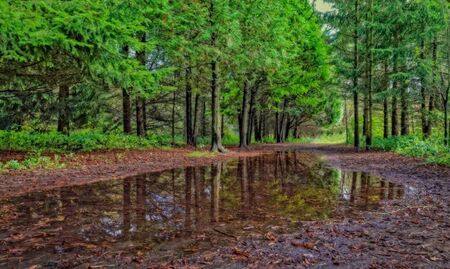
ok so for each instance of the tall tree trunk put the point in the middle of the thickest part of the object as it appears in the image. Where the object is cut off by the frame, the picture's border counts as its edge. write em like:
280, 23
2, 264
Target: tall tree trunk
280, 125
394, 119
366, 113
263, 120
140, 128
196, 124
423, 106
404, 113
355, 77
140, 125
276, 130
188, 108
386, 101
243, 126
385, 117
369, 76
63, 109
173, 117
347, 138
216, 133
446, 121
257, 126
251, 116
431, 104
204, 129
126, 104
287, 128
144, 113
222, 127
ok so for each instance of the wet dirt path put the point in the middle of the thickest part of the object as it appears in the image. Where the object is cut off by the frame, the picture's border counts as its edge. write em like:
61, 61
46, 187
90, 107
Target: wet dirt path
403, 234
410, 233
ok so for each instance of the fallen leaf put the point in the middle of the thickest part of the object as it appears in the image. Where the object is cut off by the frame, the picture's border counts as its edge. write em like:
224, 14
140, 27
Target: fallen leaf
270, 236
240, 252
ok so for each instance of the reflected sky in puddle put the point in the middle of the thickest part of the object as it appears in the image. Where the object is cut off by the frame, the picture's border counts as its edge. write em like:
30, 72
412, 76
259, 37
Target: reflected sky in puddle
182, 211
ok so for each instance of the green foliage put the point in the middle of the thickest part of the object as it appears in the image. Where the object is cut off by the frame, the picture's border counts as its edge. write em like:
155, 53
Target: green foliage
77, 141
230, 139
13, 165
432, 150
268, 140
34, 161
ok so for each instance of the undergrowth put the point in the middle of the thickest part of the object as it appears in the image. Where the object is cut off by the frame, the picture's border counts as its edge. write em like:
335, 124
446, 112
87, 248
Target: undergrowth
33, 161
78, 141
432, 150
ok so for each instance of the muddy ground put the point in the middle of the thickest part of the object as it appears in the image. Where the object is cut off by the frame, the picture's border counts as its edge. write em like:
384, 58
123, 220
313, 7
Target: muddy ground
410, 233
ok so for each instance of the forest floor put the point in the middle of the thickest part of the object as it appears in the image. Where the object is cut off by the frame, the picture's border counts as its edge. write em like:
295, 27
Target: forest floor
402, 234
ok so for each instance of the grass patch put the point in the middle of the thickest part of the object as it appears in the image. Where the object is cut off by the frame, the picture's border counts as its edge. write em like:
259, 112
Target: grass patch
33, 162
323, 139
201, 154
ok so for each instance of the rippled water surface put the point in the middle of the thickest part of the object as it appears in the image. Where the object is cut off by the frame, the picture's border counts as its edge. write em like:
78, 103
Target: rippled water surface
182, 211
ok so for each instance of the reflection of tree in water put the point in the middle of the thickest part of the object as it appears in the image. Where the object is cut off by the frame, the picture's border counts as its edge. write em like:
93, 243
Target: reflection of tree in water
160, 208
364, 191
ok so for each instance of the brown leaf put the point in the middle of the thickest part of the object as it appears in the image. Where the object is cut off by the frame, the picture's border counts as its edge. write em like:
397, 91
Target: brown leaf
270, 236
309, 245
240, 252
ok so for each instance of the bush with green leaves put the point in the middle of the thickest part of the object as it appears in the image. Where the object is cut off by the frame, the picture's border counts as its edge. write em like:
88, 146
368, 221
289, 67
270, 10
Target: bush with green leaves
432, 150
78, 141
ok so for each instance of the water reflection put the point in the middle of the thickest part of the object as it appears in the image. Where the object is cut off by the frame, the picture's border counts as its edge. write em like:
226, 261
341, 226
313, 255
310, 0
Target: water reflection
180, 211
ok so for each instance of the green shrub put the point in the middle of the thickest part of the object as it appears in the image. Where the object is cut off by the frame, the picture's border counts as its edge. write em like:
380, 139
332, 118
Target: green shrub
268, 140
230, 139
78, 141
432, 150
13, 165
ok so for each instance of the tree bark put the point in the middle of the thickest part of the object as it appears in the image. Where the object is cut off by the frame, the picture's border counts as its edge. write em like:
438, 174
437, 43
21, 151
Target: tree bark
446, 121
126, 104
369, 76
144, 113
251, 116
365, 113
188, 109
140, 113
394, 119
423, 106
356, 141
431, 100
173, 118
385, 117
216, 133
195, 128
126, 110
243, 126
204, 129
404, 113
140, 127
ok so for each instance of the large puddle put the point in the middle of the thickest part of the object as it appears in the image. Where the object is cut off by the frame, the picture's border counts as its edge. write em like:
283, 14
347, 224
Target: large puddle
182, 211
